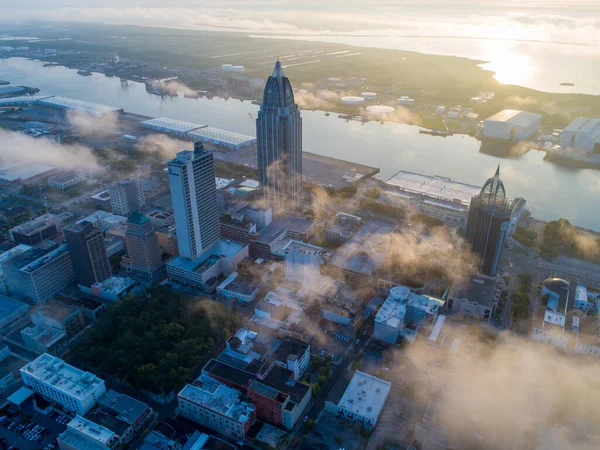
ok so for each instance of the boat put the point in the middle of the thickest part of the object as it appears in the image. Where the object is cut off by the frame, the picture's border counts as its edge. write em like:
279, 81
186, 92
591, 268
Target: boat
567, 84
84, 72
436, 133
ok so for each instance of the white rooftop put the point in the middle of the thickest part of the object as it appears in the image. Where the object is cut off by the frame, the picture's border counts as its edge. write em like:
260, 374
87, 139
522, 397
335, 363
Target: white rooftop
302, 247
437, 187
22, 170
15, 251
70, 103
226, 137
393, 310
62, 376
102, 219
515, 117
114, 284
90, 430
164, 123
365, 395
223, 182
217, 397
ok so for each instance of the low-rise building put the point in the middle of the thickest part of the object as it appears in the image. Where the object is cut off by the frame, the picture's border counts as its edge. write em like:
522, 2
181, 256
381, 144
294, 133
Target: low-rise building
237, 230
238, 288
83, 434
161, 217
43, 338
35, 230
358, 259
62, 384
6, 379
11, 311
217, 407
475, 296
111, 289
270, 237
203, 272
60, 316
105, 221
403, 312
364, 399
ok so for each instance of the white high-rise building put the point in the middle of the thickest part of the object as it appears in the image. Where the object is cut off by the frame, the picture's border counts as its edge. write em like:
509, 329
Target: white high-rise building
127, 196
302, 262
194, 196
58, 382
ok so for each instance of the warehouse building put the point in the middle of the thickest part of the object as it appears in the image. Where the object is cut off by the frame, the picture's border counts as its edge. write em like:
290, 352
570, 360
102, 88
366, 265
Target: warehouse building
197, 132
582, 134
511, 125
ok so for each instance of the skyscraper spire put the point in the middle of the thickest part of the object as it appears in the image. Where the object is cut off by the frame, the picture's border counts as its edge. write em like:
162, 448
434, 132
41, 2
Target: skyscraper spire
497, 174
278, 70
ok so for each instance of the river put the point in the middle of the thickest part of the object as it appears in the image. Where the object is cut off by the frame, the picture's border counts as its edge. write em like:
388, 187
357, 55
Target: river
551, 191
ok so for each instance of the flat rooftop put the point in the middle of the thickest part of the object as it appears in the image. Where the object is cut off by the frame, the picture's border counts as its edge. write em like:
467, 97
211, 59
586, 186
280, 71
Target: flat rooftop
222, 136
301, 247
222, 249
393, 310
62, 376
91, 430
436, 187
70, 103
366, 249
128, 409
237, 283
66, 176
164, 123
365, 395
37, 257
116, 284
283, 224
22, 170
10, 306
515, 117
217, 397
476, 288
34, 225
53, 310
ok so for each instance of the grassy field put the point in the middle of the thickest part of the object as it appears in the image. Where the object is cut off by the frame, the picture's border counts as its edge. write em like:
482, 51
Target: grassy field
428, 78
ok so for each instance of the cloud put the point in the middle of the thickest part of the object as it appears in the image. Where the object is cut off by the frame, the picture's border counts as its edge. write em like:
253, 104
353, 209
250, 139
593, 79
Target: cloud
319, 99
521, 101
17, 147
499, 388
162, 145
174, 87
93, 125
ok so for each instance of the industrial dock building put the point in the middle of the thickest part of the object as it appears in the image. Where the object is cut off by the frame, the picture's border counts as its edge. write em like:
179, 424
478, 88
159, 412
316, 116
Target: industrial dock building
582, 134
511, 125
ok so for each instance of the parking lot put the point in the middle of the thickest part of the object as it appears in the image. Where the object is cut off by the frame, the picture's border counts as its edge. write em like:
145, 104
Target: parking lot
30, 430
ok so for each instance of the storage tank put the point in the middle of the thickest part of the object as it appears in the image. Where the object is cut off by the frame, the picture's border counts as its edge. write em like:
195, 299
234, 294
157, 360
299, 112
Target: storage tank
238, 69
352, 100
226, 67
369, 95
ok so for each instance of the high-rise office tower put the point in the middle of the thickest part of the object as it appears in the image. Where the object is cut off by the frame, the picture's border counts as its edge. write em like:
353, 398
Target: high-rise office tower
279, 144
194, 196
88, 253
489, 220
143, 252
127, 196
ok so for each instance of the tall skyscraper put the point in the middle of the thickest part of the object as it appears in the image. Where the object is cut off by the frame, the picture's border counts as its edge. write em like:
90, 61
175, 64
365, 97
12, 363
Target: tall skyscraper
88, 253
143, 252
489, 220
194, 196
279, 144
127, 196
